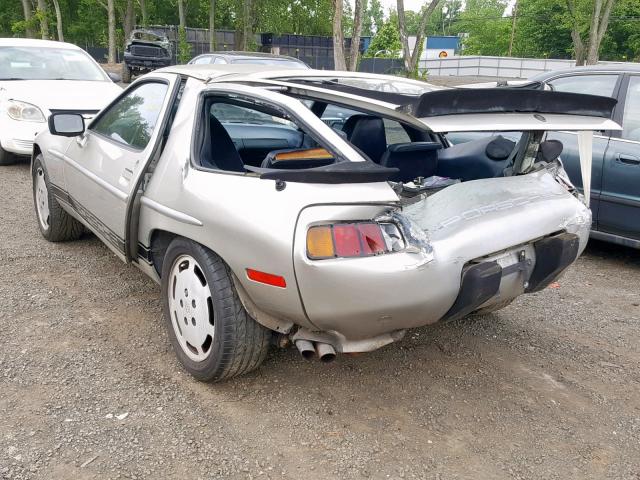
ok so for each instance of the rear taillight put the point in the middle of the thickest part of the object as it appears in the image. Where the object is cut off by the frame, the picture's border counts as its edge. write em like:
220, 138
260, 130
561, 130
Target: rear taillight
348, 240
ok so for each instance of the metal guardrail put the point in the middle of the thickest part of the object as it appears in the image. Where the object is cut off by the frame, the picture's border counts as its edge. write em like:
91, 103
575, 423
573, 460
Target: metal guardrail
502, 67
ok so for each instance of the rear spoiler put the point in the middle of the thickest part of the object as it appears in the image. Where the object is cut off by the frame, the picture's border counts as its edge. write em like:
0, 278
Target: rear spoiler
508, 100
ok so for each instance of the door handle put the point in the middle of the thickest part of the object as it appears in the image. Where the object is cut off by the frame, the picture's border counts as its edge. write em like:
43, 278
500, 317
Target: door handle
628, 159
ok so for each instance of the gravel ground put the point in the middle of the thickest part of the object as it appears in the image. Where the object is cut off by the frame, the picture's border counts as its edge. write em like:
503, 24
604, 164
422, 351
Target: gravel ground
89, 387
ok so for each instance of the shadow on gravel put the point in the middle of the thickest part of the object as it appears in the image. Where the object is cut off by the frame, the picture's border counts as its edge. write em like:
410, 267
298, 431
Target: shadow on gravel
629, 257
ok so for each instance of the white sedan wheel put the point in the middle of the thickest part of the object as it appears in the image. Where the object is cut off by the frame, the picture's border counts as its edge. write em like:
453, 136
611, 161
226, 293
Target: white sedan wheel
42, 199
191, 308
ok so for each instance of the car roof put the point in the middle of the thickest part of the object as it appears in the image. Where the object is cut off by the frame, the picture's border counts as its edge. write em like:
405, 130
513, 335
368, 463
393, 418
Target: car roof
234, 54
206, 72
30, 42
601, 68
231, 71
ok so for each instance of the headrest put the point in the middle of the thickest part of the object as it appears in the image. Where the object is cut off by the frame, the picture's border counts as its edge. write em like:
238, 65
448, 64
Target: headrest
500, 148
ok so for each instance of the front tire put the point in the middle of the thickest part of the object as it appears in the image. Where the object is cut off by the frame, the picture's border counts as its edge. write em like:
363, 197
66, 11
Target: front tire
211, 333
6, 158
55, 224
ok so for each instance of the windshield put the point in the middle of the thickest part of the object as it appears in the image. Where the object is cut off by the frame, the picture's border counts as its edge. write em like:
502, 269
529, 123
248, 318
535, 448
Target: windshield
270, 61
37, 63
148, 36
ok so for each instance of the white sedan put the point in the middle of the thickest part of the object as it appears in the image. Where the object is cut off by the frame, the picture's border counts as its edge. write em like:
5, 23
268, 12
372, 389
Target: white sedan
39, 77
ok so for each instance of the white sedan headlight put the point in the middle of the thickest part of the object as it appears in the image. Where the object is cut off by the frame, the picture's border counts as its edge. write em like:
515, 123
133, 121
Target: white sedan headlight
24, 111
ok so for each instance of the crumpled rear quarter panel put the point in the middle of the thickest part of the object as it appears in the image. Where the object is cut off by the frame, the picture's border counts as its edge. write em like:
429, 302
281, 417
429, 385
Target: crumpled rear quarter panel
363, 297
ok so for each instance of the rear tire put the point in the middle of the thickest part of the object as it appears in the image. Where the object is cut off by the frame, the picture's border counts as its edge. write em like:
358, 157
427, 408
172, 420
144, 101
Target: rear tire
6, 158
55, 224
126, 73
211, 333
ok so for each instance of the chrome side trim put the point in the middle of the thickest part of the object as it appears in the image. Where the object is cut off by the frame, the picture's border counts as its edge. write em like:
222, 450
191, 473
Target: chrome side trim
90, 175
170, 212
617, 239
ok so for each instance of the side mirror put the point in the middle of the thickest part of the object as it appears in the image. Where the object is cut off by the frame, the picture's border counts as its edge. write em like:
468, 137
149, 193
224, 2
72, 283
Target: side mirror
115, 78
66, 124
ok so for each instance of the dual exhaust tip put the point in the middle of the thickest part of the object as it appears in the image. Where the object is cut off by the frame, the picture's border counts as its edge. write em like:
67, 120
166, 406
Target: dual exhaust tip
325, 352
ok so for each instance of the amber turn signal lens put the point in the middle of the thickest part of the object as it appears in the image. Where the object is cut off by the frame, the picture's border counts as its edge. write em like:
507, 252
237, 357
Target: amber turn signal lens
320, 242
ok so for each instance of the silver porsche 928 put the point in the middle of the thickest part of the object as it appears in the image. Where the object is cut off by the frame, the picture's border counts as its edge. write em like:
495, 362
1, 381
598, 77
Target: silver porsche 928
323, 208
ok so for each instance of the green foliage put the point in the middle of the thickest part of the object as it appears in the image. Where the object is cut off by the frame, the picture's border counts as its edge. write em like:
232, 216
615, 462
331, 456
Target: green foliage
387, 38
184, 47
543, 27
373, 17
488, 31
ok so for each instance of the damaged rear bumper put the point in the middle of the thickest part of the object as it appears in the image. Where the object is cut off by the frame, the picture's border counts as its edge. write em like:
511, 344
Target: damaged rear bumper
489, 242
480, 283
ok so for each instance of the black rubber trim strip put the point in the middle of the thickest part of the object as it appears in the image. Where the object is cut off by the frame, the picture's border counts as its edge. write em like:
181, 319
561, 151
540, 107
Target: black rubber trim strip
553, 256
456, 101
340, 172
480, 282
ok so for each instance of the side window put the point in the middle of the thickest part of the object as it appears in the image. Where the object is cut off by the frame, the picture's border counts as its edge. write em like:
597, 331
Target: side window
202, 60
336, 116
394, 132
602, 85
227, 113
133, 118
219, 60
631, 118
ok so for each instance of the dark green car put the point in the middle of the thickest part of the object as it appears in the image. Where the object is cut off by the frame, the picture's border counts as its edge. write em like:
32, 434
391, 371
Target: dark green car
615, 176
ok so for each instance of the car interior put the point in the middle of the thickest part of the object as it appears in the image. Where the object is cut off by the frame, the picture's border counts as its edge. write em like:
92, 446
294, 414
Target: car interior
242, 136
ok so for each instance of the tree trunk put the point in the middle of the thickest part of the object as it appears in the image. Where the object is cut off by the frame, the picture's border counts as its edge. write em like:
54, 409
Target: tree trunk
355, 35
212, 24
26, 6
129, 20
514, 16
578, 47
56, 6
415, 56
404, 40
578, 44
111, 20
599, 24
44, 22
143, 11
246, 25
338, 36
182, 16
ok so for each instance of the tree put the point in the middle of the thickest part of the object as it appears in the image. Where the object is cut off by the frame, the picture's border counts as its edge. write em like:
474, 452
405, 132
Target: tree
411, 59
128, 14
590, 19
144, 12
111, 21
373, 18
543, 30
355, 35
487, 29
338, 36
184, 47
56, 6
26, 7
212, 22
42, 17
386, 40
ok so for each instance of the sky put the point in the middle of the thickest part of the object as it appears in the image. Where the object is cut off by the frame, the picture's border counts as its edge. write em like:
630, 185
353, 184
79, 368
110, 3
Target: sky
408, 4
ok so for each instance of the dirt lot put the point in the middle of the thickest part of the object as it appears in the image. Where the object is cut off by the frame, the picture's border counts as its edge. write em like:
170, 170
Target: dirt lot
89, 387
